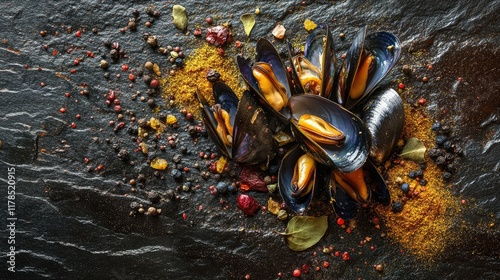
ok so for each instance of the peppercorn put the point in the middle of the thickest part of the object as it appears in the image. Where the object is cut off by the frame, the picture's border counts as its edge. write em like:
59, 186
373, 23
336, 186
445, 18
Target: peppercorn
405, 187
397, 206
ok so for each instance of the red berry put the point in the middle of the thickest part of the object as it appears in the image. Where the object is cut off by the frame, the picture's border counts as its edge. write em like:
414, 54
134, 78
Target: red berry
154, 83
78, 116
73, 125
78, 33
326, 264
125, 67
340, 221
62, 110
401, 86
345, 256
184, 216
296, 273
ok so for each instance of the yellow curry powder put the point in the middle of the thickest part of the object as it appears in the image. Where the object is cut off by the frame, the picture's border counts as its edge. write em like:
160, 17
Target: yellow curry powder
193, 77
423, 228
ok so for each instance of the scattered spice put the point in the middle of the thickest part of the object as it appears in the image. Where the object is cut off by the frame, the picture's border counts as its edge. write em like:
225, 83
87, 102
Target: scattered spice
423, 225
193, 77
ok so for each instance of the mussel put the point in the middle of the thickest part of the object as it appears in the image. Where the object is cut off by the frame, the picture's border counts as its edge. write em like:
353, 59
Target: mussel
350, 146
367, 61
268, 78
362, 186
297, 195
239, 128
383, 114
314, 70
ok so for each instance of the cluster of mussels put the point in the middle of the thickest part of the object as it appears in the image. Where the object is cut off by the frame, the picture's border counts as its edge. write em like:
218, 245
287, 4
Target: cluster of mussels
340, 123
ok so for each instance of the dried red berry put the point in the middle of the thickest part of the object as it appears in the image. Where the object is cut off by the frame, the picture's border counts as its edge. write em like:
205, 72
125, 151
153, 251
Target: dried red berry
247, 204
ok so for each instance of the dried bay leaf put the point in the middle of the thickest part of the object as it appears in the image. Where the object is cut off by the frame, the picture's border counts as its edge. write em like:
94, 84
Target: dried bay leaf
414, 150
248, 21
303, 232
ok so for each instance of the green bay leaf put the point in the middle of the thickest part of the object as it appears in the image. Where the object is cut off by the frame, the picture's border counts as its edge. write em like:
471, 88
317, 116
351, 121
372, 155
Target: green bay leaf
248, 21
303, 232
414, 150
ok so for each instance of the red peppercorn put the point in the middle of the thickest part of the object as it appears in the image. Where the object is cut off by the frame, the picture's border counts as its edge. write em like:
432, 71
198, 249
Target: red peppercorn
296, 273
100, 167
401, 86
422, 101
78, 116
326, 264
154, 83
78, 33
340, 221
67, 94
73, 71
125, 67
131, 77
62, 110
184, 216
345, 256
42, 84
209, 20
118, 108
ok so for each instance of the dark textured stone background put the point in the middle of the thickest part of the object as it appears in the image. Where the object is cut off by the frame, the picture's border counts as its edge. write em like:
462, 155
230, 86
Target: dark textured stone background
73, 223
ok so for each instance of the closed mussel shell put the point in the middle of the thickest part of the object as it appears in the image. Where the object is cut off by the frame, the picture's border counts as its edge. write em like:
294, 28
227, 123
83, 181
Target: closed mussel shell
253, 140
384, 116
348, 156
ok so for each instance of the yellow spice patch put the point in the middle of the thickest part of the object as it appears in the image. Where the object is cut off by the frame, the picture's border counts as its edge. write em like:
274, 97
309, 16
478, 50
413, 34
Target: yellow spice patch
423, 228
193, 77
309, 25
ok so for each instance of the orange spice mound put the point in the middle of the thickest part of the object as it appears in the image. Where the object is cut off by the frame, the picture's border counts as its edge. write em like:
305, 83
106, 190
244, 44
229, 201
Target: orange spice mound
193, 77
423, 228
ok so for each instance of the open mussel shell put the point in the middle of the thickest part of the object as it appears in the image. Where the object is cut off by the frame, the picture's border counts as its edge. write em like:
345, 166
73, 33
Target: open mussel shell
226, 97
376, 183
210, 121
383, 114
285, 174
267, 53
345, 206
385, 48
253, 140
347, 156
319, 51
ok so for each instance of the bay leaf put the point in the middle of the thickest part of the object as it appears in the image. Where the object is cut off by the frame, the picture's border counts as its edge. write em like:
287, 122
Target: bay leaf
248, 21
414, 150
303, 232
